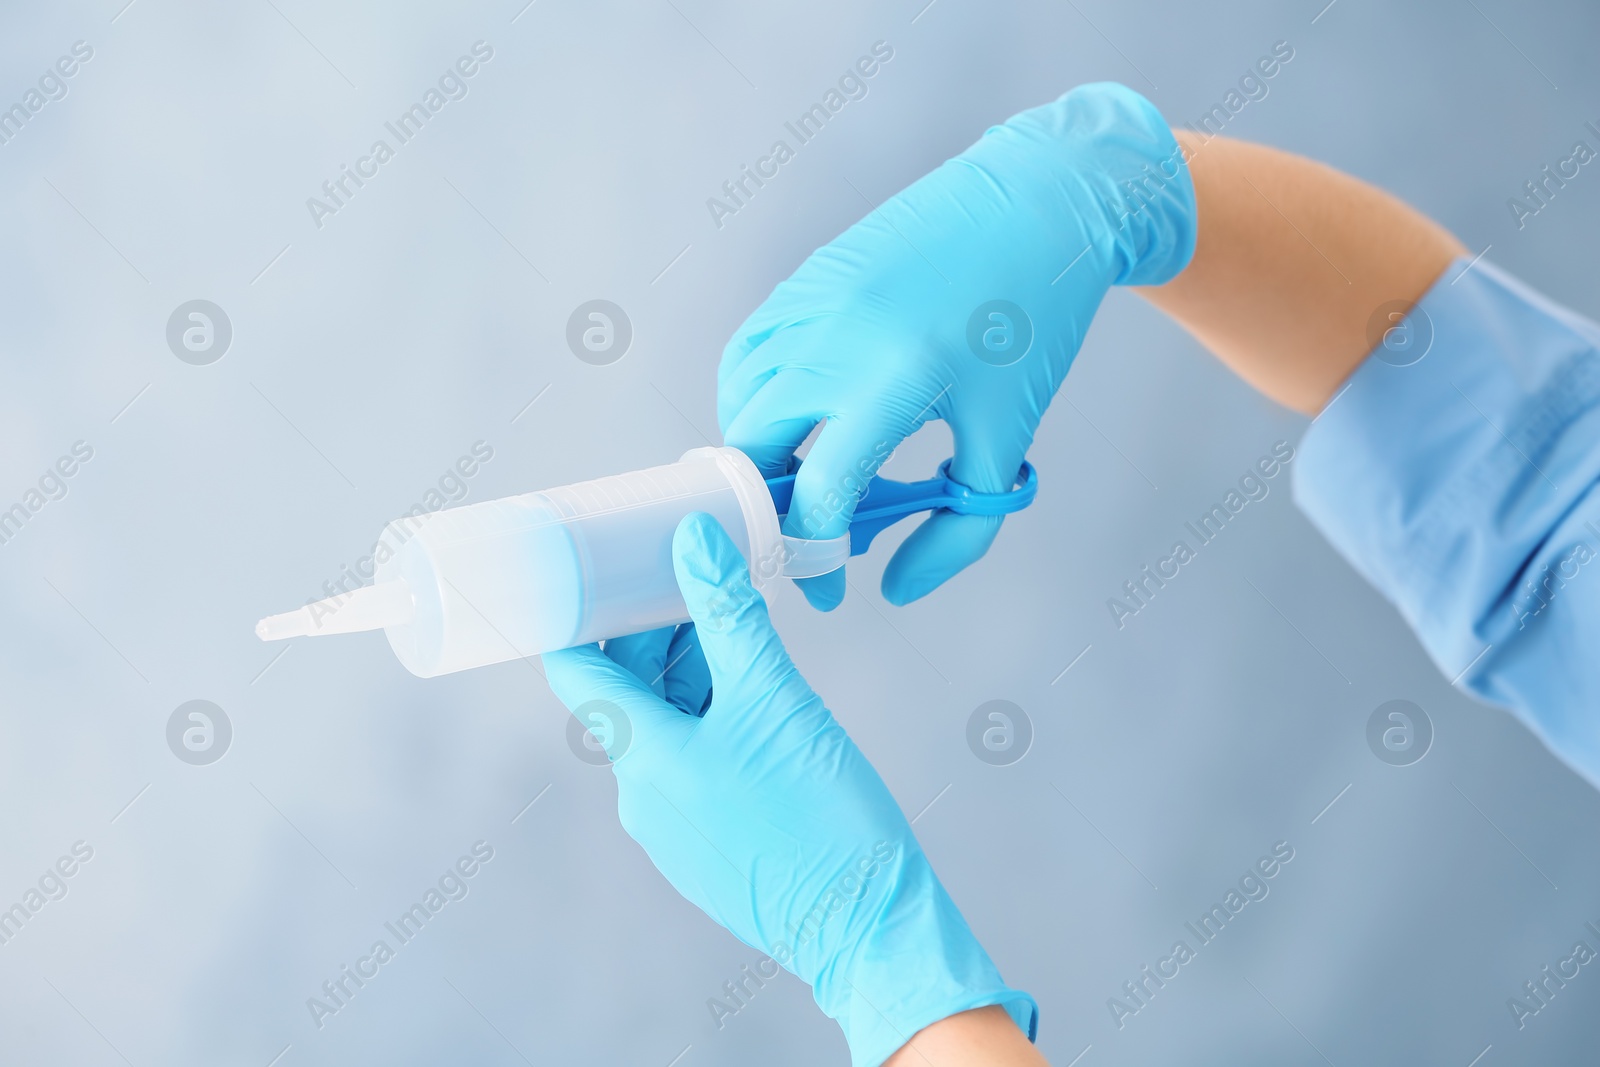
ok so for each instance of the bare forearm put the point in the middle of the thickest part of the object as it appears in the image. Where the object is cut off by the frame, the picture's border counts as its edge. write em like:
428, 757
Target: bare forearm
983, 1037
1292, 262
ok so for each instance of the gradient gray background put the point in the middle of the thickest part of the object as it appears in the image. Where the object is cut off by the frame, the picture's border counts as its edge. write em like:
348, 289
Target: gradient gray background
374, 351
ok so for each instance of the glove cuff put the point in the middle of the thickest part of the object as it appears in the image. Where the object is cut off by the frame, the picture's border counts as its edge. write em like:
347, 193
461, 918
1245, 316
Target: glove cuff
874, 1038
919, 964
1106, 140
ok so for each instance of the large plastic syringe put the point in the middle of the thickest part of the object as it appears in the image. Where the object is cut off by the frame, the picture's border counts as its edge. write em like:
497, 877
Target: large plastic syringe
524, 575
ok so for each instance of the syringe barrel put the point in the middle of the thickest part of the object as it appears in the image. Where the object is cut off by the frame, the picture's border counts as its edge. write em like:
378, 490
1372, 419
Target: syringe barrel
529, 574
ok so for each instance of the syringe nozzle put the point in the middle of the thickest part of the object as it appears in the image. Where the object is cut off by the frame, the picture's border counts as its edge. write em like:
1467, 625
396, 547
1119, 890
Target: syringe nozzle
372, 607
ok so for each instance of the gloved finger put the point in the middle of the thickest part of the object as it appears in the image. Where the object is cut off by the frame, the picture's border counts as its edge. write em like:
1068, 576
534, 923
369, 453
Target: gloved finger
770, 317
851, 447
940, 548
835, 474
774, 422
989, 454
688, 679
742, 650
614, 703
768, 430
643, 655
988, 460
874, 413
824, 591
764, 356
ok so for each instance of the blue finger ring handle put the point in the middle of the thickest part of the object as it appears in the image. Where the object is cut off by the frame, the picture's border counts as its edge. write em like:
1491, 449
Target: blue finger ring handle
887, 501
964, 501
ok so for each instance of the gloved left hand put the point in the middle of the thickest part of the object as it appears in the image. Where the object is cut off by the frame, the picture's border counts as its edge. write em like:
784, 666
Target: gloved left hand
757, 806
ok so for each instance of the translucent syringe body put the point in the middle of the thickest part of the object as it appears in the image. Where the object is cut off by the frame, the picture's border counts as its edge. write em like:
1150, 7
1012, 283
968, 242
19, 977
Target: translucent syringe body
524, 575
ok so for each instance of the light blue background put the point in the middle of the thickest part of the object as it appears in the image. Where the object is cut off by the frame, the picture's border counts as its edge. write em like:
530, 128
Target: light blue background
416, 322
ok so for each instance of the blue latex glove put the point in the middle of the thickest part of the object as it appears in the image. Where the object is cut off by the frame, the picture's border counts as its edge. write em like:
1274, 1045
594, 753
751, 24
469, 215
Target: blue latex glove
896, 321
767, 817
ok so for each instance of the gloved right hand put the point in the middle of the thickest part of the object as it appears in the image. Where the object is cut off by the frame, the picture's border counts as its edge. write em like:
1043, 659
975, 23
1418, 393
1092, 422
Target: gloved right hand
964, 297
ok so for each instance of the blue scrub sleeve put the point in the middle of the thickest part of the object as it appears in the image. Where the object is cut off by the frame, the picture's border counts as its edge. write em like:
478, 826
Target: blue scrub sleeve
1462, 485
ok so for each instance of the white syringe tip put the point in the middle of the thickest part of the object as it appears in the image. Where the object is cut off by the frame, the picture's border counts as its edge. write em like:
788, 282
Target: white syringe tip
371, 607
281, 627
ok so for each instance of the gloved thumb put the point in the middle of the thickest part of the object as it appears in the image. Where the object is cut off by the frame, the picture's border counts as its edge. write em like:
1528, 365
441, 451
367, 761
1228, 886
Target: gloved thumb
742, 650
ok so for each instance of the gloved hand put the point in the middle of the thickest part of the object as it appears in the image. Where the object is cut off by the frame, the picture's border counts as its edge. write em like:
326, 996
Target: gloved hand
964, 297
767, 817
